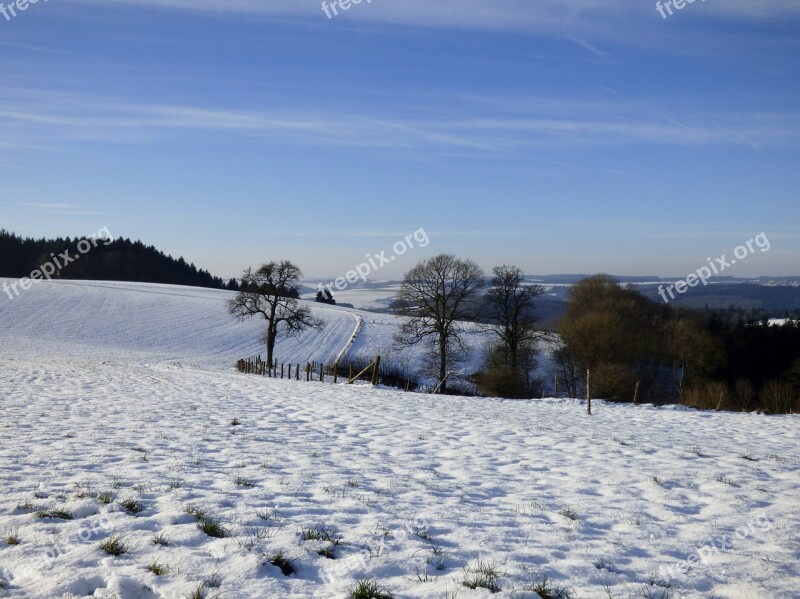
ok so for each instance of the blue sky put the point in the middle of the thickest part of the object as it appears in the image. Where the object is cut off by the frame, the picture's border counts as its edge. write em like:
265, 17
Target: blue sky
564, 137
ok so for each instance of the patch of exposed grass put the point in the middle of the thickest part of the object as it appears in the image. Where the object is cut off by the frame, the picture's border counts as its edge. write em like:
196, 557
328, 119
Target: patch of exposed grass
213, 528
569, 513
114, 545
56, 514
243, 481
196, 512
369, 589
286, 566
320, 533
160, 539
12, 537
133, 506
158, 569
267, 515
482, 575
545, 589
726, 481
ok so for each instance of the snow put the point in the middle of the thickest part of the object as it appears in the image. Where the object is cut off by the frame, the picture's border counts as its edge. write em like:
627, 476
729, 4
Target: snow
128, 389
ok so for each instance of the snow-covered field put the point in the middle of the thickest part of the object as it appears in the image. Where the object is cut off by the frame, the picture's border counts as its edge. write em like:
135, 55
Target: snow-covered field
120, 397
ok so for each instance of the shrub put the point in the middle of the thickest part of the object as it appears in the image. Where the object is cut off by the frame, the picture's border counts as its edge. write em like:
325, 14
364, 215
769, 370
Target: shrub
779, 397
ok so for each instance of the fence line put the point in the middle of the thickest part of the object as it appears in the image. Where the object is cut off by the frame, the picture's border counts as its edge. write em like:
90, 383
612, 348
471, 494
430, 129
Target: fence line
312, 371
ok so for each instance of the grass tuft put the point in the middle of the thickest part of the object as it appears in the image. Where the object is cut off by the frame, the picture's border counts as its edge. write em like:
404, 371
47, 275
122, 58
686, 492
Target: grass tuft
213, 528
545, 589
158, 569
114, 545
569, 513
56, 514
483, 575
12, 537
197, 513
369, 589
286, 566
320, 533
133, 506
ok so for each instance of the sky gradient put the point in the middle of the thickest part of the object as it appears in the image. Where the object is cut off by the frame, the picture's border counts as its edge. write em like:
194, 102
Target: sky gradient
563, 137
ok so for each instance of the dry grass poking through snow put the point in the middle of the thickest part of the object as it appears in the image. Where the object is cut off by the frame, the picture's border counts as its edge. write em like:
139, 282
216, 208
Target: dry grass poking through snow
138, 478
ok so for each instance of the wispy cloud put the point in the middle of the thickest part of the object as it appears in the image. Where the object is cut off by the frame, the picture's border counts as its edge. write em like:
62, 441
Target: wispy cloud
593, 49
43, 119
517, 14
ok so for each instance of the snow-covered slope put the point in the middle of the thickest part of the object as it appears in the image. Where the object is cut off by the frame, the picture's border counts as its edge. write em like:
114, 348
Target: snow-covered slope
122, 395
158, 323
153, 322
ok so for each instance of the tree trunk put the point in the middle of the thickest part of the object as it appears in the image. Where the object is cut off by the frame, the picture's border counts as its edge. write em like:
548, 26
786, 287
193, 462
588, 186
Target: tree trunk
271, 335
589, 392
443, 362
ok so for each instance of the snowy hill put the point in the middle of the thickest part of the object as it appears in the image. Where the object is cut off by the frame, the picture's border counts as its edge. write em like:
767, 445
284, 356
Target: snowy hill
121, 419
165, 323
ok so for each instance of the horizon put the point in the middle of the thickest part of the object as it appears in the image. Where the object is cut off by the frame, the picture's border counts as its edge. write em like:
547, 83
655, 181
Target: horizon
558, 137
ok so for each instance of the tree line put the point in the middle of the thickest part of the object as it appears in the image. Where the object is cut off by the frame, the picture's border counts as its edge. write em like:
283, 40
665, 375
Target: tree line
118, 260
636, 349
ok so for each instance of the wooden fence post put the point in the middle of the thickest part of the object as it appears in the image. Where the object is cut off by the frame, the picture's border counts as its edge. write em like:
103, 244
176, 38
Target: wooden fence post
321, 372
375, 370
555, 385
353, 378
636, 394
336, 373
589, 392
441, 384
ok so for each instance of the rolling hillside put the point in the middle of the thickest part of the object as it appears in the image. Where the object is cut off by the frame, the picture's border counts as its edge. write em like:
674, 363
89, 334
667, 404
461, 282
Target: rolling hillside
123, 421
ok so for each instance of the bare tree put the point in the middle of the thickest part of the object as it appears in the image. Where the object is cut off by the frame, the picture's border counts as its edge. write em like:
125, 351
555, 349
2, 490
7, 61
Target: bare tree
271, 292
510, 303
436, 295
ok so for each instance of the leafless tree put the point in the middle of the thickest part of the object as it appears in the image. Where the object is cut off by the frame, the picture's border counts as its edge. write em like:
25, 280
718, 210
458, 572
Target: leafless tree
510, 303
437, 295
271, 292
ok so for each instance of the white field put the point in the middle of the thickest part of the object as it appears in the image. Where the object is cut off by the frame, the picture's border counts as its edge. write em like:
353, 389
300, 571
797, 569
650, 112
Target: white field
128, 390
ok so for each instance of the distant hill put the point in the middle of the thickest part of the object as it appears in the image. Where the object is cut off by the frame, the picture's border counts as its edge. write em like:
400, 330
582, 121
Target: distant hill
117, 260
